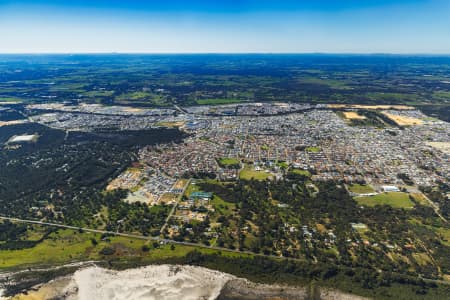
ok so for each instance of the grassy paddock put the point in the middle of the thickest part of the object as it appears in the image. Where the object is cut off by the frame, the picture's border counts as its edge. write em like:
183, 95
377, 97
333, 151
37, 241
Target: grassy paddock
218, 101
300, 172
67, 245
228, 161
249, 173
394, 199
360, 188
313, 149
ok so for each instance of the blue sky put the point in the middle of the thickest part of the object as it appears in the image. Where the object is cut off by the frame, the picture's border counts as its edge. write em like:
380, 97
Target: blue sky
238, 26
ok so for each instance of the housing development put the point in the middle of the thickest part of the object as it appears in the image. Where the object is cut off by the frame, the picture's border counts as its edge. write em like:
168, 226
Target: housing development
268, 140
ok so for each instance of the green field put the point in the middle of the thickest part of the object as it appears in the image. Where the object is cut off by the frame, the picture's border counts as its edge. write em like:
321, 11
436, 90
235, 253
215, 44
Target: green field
442, 95
10, 99
249, 173
313, 149
300, 172
228, 161
66, 246
335, 84
217, 101
283, 164
222, 207
394, 199
360, 188
93, 94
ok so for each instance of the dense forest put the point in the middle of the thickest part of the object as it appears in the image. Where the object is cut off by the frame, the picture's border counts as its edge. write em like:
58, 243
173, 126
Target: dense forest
61, 178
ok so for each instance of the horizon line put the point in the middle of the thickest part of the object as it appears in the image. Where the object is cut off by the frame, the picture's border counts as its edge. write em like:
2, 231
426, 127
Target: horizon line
229, 53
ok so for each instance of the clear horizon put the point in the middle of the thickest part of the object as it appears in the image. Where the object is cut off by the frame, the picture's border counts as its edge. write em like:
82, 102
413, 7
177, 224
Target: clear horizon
410, 27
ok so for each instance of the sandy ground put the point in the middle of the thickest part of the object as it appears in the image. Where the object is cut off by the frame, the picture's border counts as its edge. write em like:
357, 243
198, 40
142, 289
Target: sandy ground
48, 291
443, 146
353, 115
180, 183
402, 120
168, 282
14, 122
336, 295
133, 109
398, 107
245, 290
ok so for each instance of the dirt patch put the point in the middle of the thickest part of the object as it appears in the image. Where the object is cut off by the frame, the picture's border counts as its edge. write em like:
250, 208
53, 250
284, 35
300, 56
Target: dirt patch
402, 120
359, 106
351, 115
443, 146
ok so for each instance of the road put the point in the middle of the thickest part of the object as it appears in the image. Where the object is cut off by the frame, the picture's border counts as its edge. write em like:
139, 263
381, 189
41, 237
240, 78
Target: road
432, 204
180, 109
142, 237
174, 206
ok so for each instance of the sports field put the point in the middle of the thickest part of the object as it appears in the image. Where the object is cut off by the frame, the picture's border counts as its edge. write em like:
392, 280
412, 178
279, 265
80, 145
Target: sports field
249, 173
228, 161
360, 188
394, 199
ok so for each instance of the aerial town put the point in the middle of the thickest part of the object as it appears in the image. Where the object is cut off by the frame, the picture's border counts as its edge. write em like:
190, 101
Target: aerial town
260, 141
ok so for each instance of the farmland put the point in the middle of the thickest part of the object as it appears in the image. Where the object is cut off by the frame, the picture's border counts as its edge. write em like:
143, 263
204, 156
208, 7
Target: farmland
144, 80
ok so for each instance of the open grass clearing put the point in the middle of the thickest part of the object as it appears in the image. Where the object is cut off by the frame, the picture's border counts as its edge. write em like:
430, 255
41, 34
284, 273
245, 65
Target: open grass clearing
300, 172
394, 199
360, 188
313, 149
222, 207
420, 198
228, 161
218, 101
67, 245
248, 173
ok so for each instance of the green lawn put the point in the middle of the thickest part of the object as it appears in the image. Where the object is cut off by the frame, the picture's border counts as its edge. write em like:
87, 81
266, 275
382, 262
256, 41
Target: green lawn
249, 173
217, 101
222, 207
300, 172
442, 94
313, 149
283, 164
192, 187
68, 245
228, 161
394, 199
93, 94
64, 246
360, 188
